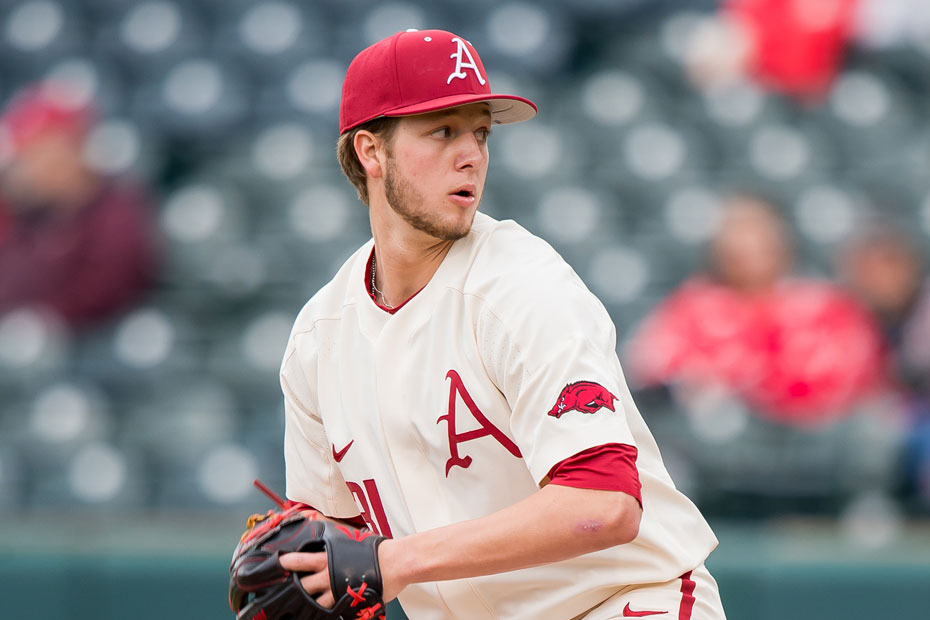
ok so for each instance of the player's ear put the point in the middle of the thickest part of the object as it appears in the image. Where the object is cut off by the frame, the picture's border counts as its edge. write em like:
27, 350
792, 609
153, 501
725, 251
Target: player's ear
369, 152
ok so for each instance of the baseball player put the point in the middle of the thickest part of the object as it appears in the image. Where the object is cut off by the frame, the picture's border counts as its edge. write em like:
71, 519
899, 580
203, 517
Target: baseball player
456, 387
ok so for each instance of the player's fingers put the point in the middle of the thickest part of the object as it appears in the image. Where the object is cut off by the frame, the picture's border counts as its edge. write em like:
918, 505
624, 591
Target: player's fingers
304, 562
326, 600
316, 584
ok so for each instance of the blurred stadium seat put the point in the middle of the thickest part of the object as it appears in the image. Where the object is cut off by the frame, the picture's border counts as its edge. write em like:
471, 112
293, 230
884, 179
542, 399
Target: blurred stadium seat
36, 33
150, 36
230, 108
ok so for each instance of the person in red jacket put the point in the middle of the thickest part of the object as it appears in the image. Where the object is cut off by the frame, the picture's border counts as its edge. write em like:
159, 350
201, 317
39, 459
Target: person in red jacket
794, 47
72, 241
796, 350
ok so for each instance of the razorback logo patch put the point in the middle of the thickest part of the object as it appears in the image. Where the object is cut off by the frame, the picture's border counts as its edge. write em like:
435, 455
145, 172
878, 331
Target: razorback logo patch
583, 396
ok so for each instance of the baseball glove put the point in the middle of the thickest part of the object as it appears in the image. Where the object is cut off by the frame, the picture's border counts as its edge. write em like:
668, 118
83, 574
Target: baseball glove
260, 589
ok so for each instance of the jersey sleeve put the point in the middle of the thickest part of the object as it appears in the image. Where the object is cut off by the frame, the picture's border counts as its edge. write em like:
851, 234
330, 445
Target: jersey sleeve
548, 344
610, 467
311, 473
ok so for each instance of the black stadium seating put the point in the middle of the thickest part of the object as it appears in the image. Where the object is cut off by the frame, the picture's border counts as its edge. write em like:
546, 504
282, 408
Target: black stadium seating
229, 109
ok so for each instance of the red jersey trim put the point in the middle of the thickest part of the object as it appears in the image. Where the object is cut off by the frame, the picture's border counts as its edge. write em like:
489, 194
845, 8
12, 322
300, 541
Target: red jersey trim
608, 467
687, 597
371, 293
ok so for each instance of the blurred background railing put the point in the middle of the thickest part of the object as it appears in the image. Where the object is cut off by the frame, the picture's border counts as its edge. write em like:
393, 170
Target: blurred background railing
170, 197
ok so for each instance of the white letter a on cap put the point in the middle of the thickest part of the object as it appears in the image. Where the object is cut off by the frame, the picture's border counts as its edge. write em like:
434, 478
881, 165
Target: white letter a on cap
459, 72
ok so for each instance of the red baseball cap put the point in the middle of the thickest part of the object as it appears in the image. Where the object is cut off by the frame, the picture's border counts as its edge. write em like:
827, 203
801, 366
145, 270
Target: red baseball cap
40, 108
421, 71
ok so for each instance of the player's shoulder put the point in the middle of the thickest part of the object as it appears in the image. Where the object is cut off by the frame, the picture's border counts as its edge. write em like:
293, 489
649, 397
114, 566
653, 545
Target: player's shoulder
499, 239
511, 266
505, 250
330, 301
519, 285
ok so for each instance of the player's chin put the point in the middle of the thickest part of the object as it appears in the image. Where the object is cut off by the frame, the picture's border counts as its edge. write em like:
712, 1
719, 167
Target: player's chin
451, 233
453, 222
461, 225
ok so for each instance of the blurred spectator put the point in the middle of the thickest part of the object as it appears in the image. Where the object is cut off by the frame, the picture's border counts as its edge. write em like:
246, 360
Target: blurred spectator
71, 241
796, 350
796, 47
789, 46
883, 265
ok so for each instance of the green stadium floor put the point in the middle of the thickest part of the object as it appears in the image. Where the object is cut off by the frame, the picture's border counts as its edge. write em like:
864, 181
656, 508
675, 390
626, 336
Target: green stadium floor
92, 568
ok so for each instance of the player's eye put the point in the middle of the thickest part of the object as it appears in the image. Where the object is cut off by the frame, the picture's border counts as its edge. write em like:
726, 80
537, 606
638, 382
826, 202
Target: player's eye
483, 134
442, 132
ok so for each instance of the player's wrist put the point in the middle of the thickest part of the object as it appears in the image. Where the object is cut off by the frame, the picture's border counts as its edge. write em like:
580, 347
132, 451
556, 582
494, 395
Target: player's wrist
396, 569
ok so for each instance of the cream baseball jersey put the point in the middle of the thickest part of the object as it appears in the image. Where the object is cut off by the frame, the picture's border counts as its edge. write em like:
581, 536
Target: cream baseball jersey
460, 403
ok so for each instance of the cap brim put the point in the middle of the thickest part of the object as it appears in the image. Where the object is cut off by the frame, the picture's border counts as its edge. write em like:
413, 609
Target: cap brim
504, 108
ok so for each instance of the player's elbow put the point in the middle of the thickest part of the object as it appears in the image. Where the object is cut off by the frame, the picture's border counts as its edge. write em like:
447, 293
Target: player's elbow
601, 519
624, 519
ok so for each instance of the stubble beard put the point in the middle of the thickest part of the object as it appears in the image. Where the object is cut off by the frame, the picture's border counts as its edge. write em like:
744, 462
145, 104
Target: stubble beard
404, 199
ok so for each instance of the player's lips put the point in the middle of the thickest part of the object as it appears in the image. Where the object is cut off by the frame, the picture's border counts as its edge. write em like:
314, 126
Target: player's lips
463, 195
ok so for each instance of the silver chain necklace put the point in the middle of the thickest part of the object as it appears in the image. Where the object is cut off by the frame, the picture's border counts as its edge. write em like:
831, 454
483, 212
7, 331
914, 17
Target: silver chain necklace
375, 289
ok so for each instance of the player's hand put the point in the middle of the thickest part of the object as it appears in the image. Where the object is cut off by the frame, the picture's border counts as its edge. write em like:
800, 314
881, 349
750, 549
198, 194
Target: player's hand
317, 583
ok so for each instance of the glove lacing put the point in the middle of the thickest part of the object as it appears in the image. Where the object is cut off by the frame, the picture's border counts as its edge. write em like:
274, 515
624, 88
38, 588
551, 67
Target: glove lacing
372, 612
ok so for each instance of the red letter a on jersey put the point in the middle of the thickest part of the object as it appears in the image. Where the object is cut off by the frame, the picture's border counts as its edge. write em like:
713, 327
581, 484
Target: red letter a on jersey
457, 387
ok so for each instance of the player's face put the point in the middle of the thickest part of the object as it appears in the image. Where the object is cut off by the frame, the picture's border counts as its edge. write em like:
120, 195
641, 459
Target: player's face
436, 167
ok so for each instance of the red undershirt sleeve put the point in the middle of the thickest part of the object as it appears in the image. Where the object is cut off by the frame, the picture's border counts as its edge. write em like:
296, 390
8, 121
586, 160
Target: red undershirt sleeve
608, 467
356, 522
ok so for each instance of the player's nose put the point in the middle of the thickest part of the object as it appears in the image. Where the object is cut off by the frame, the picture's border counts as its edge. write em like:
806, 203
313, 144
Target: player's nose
469, 151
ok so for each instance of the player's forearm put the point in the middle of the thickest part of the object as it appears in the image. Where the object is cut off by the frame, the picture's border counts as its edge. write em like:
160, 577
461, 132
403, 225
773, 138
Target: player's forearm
554, 524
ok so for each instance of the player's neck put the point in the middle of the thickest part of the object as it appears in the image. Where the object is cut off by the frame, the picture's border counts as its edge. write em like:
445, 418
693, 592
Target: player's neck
405, 260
